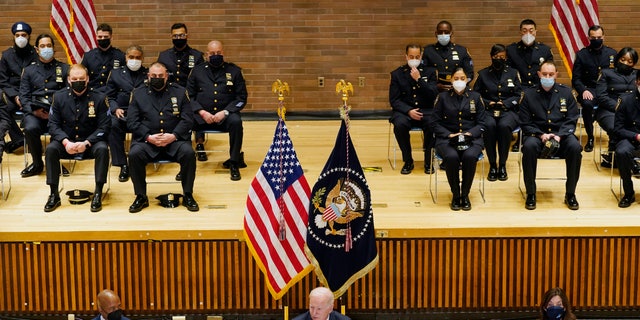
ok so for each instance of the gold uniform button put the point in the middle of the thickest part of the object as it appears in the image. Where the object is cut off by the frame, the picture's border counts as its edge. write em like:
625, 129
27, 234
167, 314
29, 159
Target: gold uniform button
215, 92
160, 113
161, 121
161, 130
215, 100
549, 121
215, 84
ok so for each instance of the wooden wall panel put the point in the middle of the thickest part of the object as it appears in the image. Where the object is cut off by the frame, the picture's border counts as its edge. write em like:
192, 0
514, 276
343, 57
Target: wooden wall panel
461, 274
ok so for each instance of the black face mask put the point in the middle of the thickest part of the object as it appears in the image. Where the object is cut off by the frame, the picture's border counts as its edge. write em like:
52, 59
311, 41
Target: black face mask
595, 43
156, 83
179, 43
104, 43
116, 315
216, 60
78, 86
624, 69
498, 64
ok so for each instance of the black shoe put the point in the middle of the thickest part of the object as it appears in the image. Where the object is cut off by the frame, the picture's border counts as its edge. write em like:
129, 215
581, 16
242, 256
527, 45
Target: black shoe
12, 146
32, 170
202, 156
589, 146
530, 203
502, 173
124, 173
635, 170
515, 147
493, 174
407, 168
189, 202
455, 204
626, 201
465, 203
140, 203
65, 171
606, 161
571, 201
96, 202
178, 177
52, 203
227, 163
429, 169
235, 172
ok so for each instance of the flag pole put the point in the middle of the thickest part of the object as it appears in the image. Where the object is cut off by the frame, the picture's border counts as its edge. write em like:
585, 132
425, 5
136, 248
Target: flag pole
344, 88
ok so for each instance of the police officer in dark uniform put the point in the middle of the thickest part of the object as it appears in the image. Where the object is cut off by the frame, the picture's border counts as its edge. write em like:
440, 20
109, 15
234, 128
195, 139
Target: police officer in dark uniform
527, 55
499, 86
411, 93
101, 60
586, 69
13, 61
458, 121
447, 56
611, 85
549, 111
39, 82
627, 129
119, 86
180, 59
79, 126
161, 120
219, 93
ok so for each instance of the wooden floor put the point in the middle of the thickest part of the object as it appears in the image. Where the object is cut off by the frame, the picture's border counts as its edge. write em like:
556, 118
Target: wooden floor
403, 206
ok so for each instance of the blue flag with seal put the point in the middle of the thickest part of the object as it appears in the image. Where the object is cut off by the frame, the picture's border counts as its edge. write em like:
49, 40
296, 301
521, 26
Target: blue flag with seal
341, 236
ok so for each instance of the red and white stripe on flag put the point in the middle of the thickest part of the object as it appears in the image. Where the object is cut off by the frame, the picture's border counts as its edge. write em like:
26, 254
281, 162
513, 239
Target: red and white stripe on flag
570, 21
74, 24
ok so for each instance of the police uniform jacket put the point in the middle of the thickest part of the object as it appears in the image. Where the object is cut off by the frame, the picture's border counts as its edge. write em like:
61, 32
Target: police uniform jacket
627, 118
406, 94
100, 63
215, 89
41, 80
587, 66
13, 61
120, 84
79, 118
180, 63
446, 59
499, 86
611, 85
454, 113
527, 60
555, 111
165, 111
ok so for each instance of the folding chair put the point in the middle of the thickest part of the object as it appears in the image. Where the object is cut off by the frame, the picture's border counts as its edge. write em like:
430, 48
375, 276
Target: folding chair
394, 144
436, 160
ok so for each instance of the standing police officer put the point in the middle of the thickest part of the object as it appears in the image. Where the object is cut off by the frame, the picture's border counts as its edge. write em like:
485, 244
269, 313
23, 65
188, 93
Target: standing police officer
39, 82
180, 59
119, 86
101, 60
160, 119
447, 56
13, 61
219, 93
549, 111
79, 126
586, 69
411, 93
527, 55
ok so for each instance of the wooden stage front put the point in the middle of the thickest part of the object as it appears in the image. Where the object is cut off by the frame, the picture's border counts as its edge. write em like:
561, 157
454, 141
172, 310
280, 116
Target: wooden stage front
496, 257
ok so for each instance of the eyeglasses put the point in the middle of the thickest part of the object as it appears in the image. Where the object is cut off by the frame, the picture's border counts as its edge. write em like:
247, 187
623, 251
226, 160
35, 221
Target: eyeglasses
179, 36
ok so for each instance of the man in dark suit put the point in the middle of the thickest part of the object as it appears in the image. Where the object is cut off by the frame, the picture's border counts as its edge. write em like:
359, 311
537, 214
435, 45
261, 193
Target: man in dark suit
321, 306
549, 112
160, 119
109, 306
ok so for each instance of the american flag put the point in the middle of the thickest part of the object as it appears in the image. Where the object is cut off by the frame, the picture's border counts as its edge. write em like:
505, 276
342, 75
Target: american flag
74, 24
570, 20
275, 221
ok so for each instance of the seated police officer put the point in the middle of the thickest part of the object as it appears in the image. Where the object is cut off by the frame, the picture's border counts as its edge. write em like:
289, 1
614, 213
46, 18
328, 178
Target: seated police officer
160, 119
627, 129
549, 112
79, 126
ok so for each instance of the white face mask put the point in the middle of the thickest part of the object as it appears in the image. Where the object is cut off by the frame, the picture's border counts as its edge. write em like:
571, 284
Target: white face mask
46, 53
528, 38
443, 39
134, 64
21, 42
459, 85
413, 63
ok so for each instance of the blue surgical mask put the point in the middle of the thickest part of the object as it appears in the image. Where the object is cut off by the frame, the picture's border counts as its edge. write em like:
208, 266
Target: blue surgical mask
547, 82
555, 312
46, 53
443, 39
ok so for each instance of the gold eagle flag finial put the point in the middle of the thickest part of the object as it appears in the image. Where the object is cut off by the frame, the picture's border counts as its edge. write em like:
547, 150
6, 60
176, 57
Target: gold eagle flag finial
344, 88
281, 89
